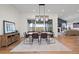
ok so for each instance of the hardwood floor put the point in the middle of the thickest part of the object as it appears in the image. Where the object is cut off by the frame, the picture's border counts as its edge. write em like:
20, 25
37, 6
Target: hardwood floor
71, 42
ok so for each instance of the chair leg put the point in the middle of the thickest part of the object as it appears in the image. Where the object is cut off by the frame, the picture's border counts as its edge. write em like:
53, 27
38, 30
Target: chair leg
53, 40
48, 41
24, 40
29, 41
39, 41
32, 41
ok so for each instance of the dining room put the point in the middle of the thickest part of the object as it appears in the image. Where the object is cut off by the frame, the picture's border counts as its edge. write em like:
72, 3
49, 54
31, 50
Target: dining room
38, 28
41, 34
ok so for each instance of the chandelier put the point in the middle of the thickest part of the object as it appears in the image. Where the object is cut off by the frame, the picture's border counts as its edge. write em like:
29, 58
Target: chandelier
40, 17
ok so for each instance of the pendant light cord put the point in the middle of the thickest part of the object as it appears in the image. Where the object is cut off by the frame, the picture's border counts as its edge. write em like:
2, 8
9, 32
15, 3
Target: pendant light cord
44, 10
39, 11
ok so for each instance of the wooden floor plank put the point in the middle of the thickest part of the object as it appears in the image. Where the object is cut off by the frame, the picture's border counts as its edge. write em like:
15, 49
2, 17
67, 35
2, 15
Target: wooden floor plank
71, 42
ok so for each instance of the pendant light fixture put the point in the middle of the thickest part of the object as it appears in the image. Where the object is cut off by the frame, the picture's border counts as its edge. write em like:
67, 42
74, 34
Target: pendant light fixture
41, 17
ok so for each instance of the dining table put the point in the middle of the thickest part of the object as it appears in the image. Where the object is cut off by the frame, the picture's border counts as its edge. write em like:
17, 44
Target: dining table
48, 33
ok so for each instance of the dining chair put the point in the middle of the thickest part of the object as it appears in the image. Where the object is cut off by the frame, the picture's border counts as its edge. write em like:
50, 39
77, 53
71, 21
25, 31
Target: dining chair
26, 37
44, 36
52, 35
35, 36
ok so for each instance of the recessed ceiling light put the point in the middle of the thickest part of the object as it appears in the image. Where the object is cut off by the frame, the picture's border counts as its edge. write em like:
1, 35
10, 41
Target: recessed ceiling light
33, 10
77, 10
48, 10
14, 18
62, 10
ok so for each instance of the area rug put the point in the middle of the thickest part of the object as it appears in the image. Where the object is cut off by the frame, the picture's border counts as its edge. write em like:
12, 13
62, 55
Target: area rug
54, 45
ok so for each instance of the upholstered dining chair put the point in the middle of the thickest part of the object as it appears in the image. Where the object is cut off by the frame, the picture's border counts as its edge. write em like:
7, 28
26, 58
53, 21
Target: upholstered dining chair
35, 36
52, 35
44, 36
26, 37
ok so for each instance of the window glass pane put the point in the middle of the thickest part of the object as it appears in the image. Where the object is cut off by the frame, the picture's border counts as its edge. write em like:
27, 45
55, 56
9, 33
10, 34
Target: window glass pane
40, 25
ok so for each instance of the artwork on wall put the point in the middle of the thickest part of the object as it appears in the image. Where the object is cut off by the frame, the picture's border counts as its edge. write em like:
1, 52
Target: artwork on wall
8, 27
75, 25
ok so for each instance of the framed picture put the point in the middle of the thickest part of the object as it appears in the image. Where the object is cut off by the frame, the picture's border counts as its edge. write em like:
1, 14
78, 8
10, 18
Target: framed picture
8, 27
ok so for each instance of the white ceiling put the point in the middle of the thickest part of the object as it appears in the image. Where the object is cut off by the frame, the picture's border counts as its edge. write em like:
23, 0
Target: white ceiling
64, 11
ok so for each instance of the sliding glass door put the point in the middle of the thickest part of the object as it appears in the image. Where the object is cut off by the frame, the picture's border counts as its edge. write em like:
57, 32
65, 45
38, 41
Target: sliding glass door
40, 25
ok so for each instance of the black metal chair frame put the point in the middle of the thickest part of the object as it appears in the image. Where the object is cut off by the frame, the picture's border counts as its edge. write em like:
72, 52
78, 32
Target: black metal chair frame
35, 36
44, 36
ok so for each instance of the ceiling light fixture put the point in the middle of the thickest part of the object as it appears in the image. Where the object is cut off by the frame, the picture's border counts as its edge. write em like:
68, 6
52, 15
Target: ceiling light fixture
48, 10
41, 17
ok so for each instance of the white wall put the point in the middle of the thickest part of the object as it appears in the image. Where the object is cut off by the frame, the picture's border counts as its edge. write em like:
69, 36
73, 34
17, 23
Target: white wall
55, 25
9, 13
